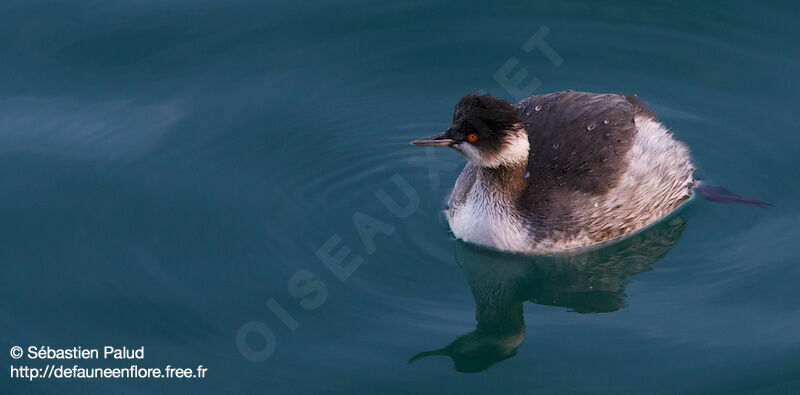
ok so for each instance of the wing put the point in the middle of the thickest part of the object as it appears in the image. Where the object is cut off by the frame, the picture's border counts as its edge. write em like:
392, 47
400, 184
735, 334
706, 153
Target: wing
578, 140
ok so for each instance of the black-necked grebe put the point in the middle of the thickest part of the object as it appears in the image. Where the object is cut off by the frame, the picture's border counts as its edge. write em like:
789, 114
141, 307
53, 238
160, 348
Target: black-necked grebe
563, 171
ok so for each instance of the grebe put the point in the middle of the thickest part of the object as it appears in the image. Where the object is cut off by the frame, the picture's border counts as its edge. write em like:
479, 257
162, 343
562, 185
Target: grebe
564, 171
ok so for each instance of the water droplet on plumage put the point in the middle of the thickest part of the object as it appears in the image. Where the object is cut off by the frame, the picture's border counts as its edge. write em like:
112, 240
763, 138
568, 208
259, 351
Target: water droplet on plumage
596, 205
605, 122
538, 107
527, 174
591, 127
555, 146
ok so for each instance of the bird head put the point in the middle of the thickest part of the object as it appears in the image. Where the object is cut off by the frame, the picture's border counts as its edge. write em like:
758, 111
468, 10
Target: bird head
486, 130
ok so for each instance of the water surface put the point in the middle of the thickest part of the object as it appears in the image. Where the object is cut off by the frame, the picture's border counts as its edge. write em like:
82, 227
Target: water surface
169, 168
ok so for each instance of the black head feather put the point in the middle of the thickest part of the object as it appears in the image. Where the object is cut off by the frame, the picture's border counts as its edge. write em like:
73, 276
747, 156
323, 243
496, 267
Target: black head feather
491, 118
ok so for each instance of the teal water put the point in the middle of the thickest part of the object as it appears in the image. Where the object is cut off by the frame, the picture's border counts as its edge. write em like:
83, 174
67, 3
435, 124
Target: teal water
173, 172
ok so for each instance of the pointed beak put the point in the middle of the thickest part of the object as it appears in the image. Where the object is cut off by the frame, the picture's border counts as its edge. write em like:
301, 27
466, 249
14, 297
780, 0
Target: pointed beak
442, 140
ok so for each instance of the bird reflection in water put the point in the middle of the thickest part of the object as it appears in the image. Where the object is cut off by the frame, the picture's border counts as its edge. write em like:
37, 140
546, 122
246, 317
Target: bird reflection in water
592, 282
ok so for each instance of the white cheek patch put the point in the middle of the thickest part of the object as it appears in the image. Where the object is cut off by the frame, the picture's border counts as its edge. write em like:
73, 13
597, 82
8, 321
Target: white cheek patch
514, 152
471, 153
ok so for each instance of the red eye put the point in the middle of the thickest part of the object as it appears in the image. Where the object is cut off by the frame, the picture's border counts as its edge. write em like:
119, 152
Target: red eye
472, 137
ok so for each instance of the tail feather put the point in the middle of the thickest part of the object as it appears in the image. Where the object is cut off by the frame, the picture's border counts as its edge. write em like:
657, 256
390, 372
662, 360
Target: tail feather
722, 195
